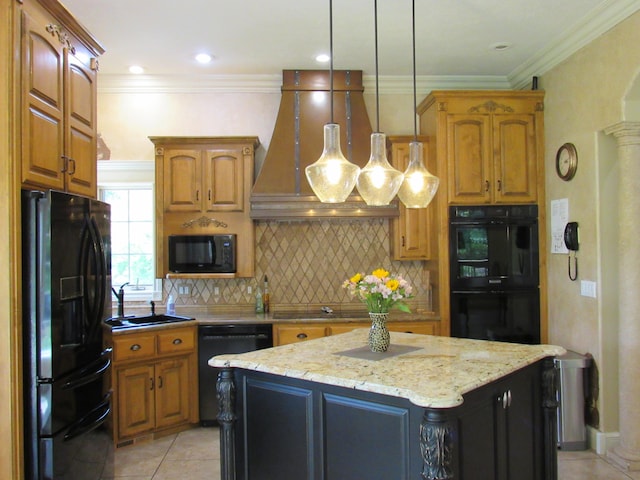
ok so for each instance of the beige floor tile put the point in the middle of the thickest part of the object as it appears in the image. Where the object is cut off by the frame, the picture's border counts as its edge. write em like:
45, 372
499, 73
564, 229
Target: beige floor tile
196, 444
142, 459
191, 469
588, 469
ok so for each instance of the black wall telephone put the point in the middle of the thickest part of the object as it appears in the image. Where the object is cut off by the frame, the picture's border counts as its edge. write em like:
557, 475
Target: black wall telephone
572, 244
571, 236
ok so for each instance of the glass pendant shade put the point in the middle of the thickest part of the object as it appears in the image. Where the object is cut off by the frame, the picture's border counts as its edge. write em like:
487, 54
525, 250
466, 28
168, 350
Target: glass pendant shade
378, 181
332, 177
419, 186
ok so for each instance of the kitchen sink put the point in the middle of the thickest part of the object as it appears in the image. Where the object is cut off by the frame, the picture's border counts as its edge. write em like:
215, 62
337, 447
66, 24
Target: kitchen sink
145, 320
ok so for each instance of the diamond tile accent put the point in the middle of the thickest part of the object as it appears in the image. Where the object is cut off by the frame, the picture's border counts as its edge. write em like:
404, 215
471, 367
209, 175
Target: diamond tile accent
306, 263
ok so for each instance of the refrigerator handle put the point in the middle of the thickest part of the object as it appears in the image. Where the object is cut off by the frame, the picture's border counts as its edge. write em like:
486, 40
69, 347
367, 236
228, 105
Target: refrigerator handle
91, 372
91, 420
100, 289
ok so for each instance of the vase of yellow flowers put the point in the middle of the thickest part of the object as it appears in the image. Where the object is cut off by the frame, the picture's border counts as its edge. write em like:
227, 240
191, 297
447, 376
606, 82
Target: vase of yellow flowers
380, 291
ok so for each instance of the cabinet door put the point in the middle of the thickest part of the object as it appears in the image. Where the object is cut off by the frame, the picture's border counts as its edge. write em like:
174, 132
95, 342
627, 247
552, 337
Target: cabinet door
519, 424
223, 187
135, 397
469, 159
182, 180
172, 392
514, 147
81, 133
43, 103
410, 237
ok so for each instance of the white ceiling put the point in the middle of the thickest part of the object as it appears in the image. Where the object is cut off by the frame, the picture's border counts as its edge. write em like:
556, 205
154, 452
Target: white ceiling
263, 37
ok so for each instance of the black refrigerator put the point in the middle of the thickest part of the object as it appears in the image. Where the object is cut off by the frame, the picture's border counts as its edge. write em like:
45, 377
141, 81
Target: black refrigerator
66, 262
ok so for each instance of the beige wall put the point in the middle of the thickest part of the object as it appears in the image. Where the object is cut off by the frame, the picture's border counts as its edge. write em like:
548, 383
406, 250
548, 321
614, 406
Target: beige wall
584, 95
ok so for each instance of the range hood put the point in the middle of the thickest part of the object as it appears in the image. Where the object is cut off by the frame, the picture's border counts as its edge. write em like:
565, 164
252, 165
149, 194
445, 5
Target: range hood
281, 190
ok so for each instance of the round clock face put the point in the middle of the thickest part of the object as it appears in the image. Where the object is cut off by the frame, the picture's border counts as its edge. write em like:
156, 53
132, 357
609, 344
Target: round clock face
566, 161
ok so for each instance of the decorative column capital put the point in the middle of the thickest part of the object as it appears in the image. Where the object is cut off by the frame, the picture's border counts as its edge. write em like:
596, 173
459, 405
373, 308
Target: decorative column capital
627, 133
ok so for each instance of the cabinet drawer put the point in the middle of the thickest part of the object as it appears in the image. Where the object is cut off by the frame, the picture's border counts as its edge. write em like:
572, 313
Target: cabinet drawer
129, 347
422, 328
299, 333
176, 340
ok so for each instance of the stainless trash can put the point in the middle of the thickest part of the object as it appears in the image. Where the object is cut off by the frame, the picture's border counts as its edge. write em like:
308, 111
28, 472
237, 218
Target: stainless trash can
571, 393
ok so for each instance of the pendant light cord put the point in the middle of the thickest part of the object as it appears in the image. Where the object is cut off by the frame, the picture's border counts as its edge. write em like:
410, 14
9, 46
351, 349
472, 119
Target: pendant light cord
375, 15
331, 56
415, 98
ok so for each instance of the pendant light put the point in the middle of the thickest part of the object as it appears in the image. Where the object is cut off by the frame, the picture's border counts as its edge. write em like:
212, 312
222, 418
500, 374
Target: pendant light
332, 177
419, 186
378, 181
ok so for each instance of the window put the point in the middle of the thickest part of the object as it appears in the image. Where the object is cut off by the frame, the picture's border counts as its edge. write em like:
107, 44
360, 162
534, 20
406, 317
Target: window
132, 230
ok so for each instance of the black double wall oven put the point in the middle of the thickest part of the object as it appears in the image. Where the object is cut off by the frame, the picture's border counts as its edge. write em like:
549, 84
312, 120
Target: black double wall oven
494, 272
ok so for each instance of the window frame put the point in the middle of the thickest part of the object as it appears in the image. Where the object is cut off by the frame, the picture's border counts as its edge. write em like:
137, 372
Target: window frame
138, 174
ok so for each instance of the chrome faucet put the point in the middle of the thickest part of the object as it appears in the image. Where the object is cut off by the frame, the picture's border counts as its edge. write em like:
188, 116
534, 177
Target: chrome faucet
120, 296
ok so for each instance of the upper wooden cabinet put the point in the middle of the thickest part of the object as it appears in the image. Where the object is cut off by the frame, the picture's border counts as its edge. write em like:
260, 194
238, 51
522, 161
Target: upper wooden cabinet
205, 179
59, 70
409, 239
202, 187
490, 143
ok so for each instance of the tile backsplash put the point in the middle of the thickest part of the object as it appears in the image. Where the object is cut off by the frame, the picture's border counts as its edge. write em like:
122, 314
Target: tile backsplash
306, 263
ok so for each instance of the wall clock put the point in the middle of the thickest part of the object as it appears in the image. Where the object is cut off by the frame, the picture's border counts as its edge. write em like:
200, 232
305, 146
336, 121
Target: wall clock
566, 161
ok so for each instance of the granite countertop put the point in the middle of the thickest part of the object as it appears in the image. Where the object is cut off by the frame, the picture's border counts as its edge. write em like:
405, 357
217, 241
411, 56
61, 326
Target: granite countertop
429, 371
208, 316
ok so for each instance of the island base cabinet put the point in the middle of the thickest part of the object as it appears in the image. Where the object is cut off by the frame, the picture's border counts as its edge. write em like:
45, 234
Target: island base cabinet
278, 427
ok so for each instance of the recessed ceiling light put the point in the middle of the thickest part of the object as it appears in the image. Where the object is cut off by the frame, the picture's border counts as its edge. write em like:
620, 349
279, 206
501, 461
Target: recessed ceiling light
499, 46
323, 58
136, 69
203, 58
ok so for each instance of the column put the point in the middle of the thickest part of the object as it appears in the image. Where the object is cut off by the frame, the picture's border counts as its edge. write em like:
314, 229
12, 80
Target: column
627, 453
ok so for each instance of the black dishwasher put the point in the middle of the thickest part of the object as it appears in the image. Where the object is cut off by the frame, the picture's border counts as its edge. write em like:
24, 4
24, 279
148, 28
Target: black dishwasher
219, 339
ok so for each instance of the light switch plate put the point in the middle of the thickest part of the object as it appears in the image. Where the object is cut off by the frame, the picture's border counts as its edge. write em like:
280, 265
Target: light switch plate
588, 288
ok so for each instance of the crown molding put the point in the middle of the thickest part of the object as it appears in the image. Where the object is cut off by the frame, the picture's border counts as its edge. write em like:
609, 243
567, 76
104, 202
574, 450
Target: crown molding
396, 84
598, 21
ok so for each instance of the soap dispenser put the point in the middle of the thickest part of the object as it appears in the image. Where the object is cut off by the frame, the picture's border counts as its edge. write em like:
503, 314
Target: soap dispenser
171, 306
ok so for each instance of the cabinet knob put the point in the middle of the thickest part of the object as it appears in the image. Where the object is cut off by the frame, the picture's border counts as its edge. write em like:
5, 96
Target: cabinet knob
302, 336
160, 381
151, 382
177, 341
499, 185
197, 195
486, 185
135, 347
403, 242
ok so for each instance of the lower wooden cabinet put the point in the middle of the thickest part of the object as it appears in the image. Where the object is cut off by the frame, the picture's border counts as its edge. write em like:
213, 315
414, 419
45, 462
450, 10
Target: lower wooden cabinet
298, 332
155, 382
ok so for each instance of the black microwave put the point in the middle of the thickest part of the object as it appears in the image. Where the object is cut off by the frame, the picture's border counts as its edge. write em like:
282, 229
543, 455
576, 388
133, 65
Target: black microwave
202, 253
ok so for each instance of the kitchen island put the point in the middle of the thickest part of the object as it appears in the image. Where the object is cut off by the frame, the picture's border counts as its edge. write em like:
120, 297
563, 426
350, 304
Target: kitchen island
428, 408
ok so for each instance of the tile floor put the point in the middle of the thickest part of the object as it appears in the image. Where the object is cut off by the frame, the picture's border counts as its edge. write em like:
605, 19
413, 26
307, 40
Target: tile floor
195, 455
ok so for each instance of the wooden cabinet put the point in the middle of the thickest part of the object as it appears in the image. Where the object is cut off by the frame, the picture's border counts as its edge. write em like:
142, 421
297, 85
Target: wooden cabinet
409, 239
202, 187
487, 147
489, 144
299, 332
205, 180
58, 131
155, 382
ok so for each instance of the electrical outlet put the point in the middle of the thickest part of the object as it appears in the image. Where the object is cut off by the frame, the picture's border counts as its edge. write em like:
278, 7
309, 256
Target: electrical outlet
183, 290
216, 291
249, 289
588, 288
